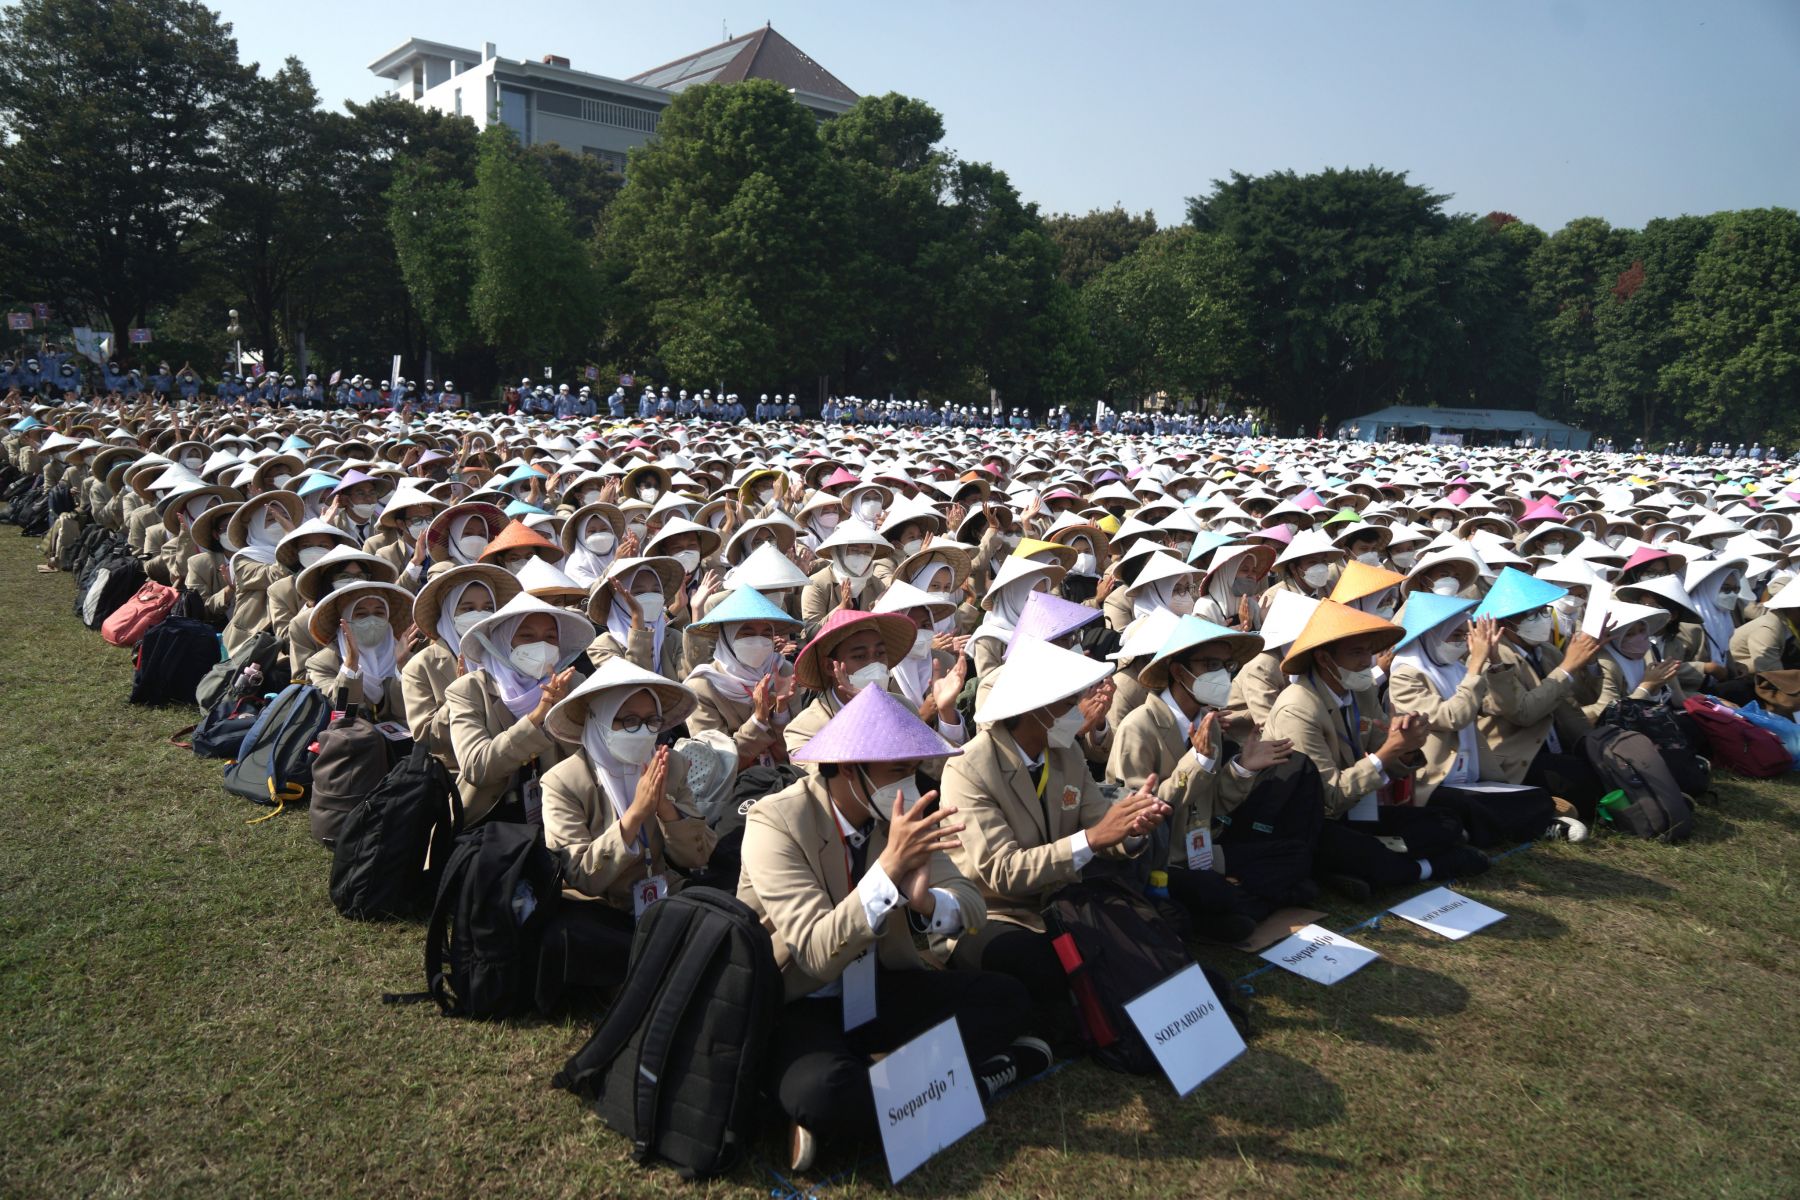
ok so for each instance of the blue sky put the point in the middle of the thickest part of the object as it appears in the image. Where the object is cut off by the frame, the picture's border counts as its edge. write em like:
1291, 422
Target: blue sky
1549, 109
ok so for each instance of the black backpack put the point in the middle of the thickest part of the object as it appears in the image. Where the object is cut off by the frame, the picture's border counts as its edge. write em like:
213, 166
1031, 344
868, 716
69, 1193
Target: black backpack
274, 765
751, 785
117, 579
1673, 733
353, 759
227, 678
1630, 762
391, 848
497, 893
677, 1062
173, 657
1116, 949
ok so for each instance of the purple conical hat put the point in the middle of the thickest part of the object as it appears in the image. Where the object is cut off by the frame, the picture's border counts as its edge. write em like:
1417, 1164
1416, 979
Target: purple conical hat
875, 726
1049, 617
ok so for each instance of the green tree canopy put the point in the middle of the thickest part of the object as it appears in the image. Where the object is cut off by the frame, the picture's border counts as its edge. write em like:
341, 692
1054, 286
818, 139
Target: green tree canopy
1172, 316
1096, 240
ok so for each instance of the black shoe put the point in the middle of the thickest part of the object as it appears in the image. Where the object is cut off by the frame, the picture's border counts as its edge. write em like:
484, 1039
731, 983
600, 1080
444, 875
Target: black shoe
1224, 929
1464, 862
1301, 893
1027, 1056
1351, 887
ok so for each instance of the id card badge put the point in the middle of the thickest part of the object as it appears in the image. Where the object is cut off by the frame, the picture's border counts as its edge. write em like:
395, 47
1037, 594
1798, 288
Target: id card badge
859, 990
1199, 849
531, 792
647, 892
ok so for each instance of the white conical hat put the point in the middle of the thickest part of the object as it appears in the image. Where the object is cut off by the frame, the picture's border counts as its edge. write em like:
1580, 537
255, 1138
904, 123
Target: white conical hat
766, 569
1287, 616
1038, 673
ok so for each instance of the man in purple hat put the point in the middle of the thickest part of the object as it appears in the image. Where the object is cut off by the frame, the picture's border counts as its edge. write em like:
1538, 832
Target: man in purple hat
355, 503
844, 868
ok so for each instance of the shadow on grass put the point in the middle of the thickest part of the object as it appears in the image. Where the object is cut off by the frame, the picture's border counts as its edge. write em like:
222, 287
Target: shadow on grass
1585, 879
1747, 803
1388, 997
1523, 924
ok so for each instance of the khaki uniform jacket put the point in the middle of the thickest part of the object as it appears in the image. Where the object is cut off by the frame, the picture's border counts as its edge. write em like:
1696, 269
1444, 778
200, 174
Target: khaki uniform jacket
719, 714
1149, 743
425, 687
1017, 848
1763, 645
1116, 609
398, 555
138, 524
1524, 704
641, 644
796, 877
1256, 687
324, 670
1307, 715
1128, 694
492, 745
820, 598
582, 830
205, 575
1612, 687
1412, 692
250, 603
1687, 642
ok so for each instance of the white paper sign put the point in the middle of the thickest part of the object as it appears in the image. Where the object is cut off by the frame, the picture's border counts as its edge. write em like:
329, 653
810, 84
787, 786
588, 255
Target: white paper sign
1443, 911
1186, 1028
1320, 955
925, 1098
858, 983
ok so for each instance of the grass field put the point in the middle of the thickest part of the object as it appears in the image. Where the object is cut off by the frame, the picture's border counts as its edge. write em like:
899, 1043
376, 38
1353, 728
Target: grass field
185, 1014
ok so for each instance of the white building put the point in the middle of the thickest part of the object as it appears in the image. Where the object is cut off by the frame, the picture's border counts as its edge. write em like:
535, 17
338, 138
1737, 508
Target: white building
551, 101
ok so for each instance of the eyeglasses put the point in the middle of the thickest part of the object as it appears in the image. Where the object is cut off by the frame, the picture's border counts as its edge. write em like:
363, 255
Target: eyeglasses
1202, 666
635, 724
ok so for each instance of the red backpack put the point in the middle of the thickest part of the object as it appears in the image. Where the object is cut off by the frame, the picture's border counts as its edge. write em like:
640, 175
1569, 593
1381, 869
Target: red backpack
133, 619
1736, 744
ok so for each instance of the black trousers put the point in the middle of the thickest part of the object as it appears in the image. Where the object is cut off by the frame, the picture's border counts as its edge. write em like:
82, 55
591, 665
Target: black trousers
1572, 776
1270, 838
1353, 847
1497, 818
820, 1073
1027, 956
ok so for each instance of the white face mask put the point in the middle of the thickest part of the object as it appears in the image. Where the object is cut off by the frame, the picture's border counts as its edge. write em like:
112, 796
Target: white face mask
369, 631
912, 546
1534, 630
635, 529
362, 512
466, 621
1404, 559
416, 529
633, 748
600, 543
765, 495
1613, 540
344, 581
590, 496
515, 565
648, 493
1181, 603
651, 603
1442, 524
1569, 606
1212, 689
1446, 586
1552, 549
1370, 557
308, 555
1448, 652
1356, 681
1085, 565
1062, 732
921, 644
281, 481
1316, 576
472, 545
825, 521
855, 564
873, 675
534, 660
753, 652
882, 799
689, 560
193, 462
868, 508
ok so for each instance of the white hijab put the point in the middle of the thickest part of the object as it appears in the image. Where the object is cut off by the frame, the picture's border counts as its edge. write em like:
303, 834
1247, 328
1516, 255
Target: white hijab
1009, 605
491, 651
1715, 616
446, 622
929, 571
617, 779
1153, 596
618, 616
375, 664
583, 565
261, 538
729, 675
912, 674
1446, 678
453, 542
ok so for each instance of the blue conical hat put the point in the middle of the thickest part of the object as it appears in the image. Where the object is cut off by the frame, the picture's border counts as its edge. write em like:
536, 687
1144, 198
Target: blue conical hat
745, 604
1193, 631
1426, 611
1515, 592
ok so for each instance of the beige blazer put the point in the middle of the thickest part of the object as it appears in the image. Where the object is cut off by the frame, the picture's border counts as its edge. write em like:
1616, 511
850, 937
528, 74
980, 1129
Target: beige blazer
1523, 705
1256, 686
492, 745
819, 599
1612, 687
324, 670
1763, 644
582, 830
204, 574
673, 665
250, 602
1306, 714
736, 719
425, 687
1411, 692
1149, 742
796, 877
1017, 848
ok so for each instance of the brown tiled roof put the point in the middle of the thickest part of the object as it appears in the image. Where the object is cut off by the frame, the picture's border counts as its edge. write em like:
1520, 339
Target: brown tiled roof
763, 54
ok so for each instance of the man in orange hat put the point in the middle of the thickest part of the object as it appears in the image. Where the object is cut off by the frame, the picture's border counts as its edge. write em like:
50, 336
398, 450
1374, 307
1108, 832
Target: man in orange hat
1333, 714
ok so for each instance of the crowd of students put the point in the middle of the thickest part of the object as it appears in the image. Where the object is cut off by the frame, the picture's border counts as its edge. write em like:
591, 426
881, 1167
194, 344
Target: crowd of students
993, 662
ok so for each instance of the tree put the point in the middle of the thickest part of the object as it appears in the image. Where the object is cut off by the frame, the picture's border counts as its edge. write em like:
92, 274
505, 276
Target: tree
1739, 325
111, 112
535, 296
1568, 271
1635, 339
1096, 240
1172, 316
731, 216
1351, 274
432, 219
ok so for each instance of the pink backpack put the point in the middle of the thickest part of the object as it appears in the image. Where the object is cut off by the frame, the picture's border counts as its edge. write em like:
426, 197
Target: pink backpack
1736, 744
133, 619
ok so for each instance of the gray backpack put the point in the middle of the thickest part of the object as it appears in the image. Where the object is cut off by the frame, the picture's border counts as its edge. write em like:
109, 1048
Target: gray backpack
1631, 763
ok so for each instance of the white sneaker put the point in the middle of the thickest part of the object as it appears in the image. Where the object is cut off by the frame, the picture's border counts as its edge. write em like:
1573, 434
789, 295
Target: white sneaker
1566, 829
